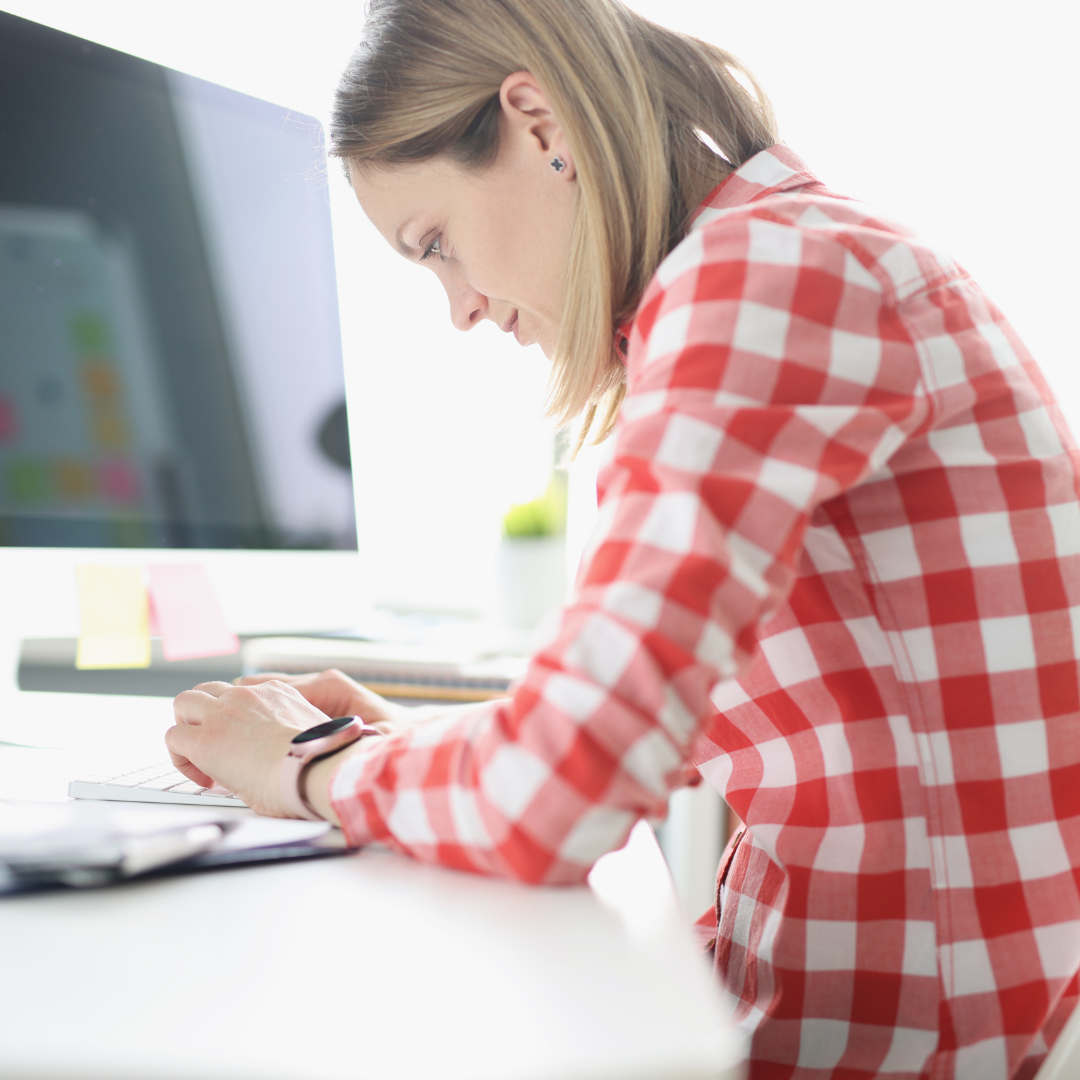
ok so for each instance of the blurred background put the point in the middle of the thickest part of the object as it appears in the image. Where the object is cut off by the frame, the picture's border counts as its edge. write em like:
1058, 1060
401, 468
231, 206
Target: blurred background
954, 116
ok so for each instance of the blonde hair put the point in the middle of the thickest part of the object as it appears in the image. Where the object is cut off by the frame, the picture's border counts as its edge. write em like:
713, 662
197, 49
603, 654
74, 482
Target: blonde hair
653, 118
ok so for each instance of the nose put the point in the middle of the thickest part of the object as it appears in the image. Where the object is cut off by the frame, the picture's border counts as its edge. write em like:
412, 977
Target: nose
467, 305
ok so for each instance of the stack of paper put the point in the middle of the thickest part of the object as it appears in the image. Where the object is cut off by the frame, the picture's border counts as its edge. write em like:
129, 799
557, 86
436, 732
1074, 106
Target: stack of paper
391, 669
83, 844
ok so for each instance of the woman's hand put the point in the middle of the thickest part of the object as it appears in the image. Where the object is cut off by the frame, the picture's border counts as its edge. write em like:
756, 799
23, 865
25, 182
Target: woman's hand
238, 736
335, 694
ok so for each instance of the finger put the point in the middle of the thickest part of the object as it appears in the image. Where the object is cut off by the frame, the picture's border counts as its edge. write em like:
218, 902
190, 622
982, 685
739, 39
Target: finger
364, 692
175, 738
192, 706
194, 773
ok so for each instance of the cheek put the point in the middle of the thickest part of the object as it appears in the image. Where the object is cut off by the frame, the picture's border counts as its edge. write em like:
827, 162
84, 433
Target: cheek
495, 252
491, 265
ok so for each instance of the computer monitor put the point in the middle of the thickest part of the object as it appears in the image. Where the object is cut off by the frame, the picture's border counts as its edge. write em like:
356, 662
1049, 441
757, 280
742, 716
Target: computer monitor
171, 378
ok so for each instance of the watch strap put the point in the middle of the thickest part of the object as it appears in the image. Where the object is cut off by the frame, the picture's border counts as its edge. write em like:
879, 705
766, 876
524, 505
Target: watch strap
315, 744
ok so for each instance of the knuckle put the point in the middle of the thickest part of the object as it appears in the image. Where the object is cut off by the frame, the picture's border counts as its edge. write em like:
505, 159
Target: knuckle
254, 691
175, 736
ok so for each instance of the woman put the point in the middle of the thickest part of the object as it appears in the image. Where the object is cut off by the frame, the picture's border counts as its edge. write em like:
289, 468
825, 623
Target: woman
836, 569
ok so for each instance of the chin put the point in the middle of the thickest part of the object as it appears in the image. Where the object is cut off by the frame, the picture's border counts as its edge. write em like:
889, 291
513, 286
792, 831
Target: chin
544, 336
547, 344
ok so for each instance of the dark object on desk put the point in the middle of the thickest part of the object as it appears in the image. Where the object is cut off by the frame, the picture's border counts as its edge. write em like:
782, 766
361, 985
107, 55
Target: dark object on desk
211, 860
49, 664
79, 845
224, 860
83, 846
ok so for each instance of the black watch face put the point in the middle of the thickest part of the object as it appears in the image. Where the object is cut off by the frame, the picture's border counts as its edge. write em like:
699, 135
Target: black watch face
320, 731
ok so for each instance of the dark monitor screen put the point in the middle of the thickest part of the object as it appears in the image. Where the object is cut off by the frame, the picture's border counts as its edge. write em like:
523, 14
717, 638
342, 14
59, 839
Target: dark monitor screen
170, 356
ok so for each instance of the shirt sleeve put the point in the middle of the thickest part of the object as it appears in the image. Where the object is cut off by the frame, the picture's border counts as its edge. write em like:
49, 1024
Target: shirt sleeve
767, 374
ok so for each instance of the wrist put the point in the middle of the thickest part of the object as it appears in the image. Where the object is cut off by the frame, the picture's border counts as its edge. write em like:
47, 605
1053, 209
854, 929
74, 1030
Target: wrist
321, 741
314, 782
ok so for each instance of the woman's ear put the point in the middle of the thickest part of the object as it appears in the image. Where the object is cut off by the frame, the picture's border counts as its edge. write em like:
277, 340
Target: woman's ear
529, 117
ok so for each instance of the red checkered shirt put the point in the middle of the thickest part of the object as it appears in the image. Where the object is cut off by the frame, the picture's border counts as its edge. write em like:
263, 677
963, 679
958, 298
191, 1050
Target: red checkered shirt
837, 567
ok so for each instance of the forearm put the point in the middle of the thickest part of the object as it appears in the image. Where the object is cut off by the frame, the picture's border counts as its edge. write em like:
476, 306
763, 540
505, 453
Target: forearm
512, 788
315, 782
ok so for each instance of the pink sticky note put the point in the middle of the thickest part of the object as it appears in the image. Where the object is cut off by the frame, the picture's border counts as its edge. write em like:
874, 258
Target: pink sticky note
187, 613
9, 419
119, 481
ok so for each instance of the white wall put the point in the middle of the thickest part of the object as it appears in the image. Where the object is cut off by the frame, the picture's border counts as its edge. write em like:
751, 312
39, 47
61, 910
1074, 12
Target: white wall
956, 116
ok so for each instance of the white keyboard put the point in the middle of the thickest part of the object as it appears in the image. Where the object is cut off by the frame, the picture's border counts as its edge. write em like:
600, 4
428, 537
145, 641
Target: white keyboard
159, 783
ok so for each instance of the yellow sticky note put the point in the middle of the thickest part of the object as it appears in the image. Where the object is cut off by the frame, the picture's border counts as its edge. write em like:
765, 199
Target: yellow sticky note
115, 617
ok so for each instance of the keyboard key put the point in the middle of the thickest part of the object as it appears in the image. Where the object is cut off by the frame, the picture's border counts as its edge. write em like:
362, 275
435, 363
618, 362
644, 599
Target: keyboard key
158, 783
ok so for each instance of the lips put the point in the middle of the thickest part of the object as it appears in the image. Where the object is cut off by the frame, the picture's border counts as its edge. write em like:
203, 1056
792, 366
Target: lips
512, 327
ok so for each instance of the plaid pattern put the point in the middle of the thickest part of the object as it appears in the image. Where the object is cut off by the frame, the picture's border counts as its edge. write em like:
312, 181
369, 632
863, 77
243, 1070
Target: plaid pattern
837, 568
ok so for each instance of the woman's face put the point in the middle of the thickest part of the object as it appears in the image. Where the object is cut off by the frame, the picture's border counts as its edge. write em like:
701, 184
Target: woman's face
497, 238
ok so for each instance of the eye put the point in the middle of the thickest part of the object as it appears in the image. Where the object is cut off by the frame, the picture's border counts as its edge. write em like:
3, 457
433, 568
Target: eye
434, 248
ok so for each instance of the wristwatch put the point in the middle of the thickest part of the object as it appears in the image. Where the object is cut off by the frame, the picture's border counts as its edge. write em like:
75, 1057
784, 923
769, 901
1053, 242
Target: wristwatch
313, 745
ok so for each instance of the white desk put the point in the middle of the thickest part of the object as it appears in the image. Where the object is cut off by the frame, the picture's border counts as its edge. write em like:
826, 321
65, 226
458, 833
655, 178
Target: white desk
365, 966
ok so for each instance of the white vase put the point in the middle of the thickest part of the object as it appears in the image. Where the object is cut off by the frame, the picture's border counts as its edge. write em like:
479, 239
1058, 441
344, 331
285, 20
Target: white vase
531, 579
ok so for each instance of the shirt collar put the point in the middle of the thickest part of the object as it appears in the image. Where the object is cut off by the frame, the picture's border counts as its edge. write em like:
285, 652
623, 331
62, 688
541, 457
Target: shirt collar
766, 173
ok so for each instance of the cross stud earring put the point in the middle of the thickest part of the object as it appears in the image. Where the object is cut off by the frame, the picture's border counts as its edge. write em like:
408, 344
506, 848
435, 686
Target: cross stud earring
558, 164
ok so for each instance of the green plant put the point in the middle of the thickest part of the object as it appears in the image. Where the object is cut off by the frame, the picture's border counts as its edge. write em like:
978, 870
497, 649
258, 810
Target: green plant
545, 516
